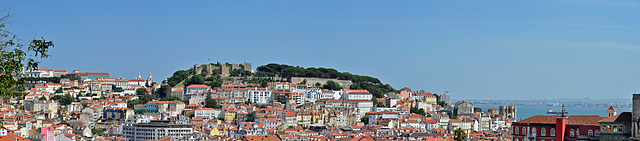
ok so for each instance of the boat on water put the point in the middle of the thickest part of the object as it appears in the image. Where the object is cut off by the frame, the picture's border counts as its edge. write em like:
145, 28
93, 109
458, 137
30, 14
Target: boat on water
556, 112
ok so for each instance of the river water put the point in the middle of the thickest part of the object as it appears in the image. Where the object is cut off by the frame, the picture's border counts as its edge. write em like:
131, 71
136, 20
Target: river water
529, 111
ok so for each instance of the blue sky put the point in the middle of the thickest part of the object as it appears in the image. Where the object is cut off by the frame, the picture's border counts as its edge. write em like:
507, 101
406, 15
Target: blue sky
475, 49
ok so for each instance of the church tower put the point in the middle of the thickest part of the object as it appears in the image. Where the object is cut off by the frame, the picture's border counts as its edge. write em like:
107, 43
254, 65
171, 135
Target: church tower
150, 80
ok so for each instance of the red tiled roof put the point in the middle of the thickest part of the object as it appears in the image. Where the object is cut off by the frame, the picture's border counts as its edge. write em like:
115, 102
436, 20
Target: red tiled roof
622, 117
573, 119
197, 86
90, 74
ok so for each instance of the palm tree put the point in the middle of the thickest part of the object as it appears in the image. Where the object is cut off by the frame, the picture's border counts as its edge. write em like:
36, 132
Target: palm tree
460, 135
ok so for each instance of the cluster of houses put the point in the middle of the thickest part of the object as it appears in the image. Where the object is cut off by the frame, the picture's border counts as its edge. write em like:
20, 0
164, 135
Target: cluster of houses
279, 111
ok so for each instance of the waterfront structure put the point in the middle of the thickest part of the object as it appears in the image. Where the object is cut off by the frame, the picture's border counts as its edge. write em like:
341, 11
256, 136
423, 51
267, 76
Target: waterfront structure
156, 130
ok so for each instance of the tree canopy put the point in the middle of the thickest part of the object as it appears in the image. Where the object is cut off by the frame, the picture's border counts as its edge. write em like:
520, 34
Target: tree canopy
291, 71
196, 79
63, 100
142, 91
164, 91
178, 76
15, 58
332, 85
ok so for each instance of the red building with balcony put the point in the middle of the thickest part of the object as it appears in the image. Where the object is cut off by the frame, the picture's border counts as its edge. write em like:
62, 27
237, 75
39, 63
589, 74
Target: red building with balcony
557, 128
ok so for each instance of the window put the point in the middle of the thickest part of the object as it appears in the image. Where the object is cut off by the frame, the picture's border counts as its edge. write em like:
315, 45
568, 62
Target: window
572, 133
590, 132
533, 131
597, 133
619, 128
543, 132
517, 131
517, 140
614, 129
577, 132
524, 130
552, 132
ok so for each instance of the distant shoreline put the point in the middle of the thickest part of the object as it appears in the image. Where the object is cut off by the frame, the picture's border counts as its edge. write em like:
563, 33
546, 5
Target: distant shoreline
592, 105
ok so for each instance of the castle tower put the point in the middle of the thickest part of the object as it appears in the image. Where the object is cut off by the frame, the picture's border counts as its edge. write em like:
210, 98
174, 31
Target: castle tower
611, 111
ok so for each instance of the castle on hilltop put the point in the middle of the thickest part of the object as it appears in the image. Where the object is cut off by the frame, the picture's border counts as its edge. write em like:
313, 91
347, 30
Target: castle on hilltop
223, 70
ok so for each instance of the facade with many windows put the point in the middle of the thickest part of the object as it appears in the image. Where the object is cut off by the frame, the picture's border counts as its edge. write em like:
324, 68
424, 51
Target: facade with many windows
547, 127
260, 95
156, 130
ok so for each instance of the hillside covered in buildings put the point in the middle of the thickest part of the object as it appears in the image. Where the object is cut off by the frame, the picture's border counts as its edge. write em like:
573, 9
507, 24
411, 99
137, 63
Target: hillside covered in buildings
217, 74
231, 101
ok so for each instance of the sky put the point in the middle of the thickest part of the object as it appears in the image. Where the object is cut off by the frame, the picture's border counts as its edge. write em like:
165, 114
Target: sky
491, 49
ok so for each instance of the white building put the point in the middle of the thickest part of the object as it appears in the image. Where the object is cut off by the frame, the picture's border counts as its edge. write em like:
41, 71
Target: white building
40, 72
209, 113
194, 89
260, 95
358, 95
156, 130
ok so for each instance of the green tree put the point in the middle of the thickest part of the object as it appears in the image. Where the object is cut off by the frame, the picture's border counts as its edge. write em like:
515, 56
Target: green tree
63, 100
178, 77
42, 98
147, 98
332, 85
318, 84
164, 91
118, 89
421, 112
375, 101
142, 91
365, 120
204, 71
15, 58
59, 90
132, 103
460, 135
251, 117
174, 98
196, 79
211, 103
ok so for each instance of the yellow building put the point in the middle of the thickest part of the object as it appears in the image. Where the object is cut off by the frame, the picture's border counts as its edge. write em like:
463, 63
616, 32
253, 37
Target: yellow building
304, 119
218, 131
297, 98
229, 116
